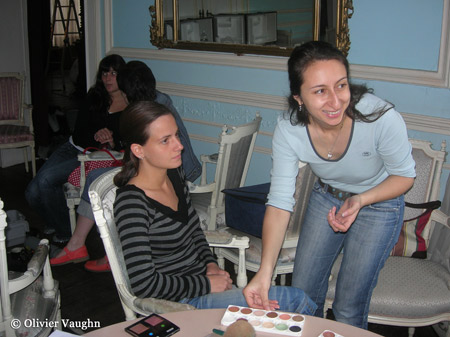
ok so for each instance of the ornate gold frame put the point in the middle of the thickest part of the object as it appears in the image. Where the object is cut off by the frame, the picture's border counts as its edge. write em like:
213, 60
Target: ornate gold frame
344, 12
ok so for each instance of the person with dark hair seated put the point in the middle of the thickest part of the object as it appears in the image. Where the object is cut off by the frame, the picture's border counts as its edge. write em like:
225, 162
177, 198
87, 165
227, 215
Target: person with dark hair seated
96, 126
137, 82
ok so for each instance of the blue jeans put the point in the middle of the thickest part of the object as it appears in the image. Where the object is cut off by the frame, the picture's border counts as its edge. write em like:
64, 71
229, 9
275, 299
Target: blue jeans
366, 246
289, 298
45, 192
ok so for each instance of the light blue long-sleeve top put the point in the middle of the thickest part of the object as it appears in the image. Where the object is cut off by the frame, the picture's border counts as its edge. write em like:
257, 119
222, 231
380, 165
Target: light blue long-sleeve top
375, 151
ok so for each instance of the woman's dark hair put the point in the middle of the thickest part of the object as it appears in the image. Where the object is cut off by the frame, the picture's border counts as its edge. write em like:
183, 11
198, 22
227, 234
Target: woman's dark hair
305, 55
134, 123
136, 80
99, 99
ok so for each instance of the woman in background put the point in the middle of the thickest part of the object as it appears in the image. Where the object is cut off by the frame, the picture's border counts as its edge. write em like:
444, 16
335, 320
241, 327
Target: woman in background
97, 126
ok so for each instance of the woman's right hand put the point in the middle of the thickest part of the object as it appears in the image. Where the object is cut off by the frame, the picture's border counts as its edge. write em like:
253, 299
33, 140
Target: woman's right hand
220, 282
104, 136
256, 293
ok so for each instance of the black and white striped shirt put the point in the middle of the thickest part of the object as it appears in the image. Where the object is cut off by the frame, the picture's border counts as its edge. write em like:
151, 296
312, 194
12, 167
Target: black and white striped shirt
165, 251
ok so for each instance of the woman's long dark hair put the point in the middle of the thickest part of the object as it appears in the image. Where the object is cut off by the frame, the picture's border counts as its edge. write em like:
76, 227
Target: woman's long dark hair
134, 123
301, 58
137, 81
98, 98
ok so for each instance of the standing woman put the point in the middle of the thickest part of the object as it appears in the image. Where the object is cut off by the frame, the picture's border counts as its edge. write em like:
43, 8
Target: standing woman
358, 147
97, 126
166, 253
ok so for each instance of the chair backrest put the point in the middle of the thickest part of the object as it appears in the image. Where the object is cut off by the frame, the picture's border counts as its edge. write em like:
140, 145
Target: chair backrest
236, 146
428, 176
11, 98
303, 186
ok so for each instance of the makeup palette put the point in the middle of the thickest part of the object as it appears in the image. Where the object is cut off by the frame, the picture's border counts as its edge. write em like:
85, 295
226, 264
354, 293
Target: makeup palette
329, 333
276, 322
152, 326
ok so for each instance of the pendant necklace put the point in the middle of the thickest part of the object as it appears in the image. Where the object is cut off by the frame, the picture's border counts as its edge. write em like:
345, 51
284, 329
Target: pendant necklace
330, 154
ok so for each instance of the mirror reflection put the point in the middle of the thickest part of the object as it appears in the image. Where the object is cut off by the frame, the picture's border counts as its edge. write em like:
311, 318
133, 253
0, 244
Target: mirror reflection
265, 27
265, 23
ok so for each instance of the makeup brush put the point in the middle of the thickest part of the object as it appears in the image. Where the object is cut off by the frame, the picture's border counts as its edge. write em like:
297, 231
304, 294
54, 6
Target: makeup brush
240, 328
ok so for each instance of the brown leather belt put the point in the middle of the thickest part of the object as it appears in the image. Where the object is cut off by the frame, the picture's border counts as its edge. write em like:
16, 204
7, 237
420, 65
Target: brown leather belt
338, 194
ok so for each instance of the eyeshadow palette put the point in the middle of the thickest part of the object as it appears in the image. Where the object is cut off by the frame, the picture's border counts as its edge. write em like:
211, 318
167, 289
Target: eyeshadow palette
277, 322
329, 333
153, 325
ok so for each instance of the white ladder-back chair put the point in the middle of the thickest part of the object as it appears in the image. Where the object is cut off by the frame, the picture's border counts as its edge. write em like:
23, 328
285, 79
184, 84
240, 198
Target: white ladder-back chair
73, 193
236, 146
414, 292
102, 193
285, 264
33, 294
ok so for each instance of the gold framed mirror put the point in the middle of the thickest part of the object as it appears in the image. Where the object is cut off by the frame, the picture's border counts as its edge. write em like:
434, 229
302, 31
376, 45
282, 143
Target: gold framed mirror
249, 27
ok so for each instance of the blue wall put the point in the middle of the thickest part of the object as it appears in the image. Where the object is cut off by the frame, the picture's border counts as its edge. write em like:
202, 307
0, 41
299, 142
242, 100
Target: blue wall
399, 34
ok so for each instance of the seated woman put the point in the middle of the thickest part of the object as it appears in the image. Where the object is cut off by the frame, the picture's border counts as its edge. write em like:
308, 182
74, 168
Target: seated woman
166, 253
137, 82
97, 125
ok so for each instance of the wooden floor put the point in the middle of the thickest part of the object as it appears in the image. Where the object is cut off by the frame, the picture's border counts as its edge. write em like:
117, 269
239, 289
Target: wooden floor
92, 296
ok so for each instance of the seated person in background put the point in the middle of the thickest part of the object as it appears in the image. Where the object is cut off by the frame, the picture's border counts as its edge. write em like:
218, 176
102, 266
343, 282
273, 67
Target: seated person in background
137, 82
166, 253
97, 125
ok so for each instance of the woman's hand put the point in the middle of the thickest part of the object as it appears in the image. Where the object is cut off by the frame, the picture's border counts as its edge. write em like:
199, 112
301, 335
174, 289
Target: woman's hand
104, 136
219, 283
256, 293
342, 221
213, 269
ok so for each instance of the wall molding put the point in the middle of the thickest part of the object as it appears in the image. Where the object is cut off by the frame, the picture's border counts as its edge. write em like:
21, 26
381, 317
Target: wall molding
413, 121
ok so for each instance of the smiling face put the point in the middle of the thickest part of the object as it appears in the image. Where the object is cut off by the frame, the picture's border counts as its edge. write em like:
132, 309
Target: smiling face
325, 92
163, 147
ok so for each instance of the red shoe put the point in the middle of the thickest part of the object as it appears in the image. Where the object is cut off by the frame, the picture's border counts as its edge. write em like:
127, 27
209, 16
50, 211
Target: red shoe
78, 255
95, 267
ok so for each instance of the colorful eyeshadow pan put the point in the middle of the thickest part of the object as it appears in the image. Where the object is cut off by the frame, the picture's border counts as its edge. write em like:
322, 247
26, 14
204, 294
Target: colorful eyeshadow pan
272, 322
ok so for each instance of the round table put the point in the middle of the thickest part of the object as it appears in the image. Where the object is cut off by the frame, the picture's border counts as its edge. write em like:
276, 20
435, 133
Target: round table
199, 323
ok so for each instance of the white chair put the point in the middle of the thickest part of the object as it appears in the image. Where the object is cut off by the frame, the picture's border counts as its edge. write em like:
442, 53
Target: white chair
236, 146
13, 131
102, 193
73, 193
414, 292
33, 294
285, 264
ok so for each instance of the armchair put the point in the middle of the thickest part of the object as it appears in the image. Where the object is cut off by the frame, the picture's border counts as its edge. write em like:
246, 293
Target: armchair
13, 131
73, 193
33, 294
102, 194
236, 146
414, 292
285, 264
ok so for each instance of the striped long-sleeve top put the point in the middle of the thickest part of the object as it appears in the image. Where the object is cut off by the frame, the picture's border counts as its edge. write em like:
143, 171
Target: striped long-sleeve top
165, 251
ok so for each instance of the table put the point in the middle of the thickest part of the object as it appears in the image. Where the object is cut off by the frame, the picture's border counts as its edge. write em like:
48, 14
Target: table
199, 323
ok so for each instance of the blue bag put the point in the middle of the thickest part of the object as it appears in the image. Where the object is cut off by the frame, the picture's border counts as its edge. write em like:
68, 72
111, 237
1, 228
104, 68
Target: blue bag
245, 208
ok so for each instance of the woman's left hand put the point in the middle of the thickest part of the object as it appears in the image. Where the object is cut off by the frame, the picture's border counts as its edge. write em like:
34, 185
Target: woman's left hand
343, 219
213, 269
104, 136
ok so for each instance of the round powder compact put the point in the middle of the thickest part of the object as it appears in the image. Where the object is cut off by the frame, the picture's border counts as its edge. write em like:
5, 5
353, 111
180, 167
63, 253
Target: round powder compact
328, 334
233, 309
246, 311
295, 328
281, 326
285, 317
268, 325
298, 318
272, 314
259, 313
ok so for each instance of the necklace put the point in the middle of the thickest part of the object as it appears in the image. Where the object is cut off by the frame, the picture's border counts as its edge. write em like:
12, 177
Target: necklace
330, 151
